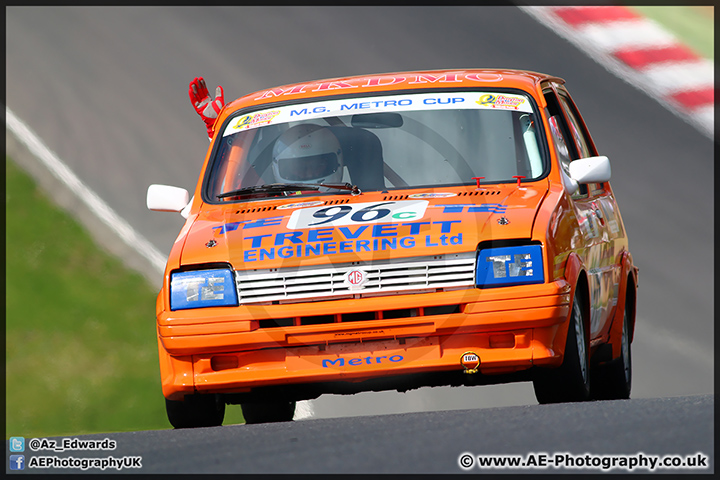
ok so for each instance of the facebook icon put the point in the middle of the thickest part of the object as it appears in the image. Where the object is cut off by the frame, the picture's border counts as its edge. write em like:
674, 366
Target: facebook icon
17, 462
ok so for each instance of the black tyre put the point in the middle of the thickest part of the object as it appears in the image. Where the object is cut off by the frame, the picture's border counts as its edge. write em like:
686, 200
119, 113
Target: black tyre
196, 411
268, 412
570, 382
613, 380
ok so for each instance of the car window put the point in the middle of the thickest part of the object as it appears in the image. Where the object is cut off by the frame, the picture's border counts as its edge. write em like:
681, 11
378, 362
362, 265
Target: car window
559, 140
580, 135
383, 142
567, 150
576, 129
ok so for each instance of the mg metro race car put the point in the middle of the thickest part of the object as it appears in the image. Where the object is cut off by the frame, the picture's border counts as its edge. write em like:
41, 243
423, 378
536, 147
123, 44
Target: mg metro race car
395, 231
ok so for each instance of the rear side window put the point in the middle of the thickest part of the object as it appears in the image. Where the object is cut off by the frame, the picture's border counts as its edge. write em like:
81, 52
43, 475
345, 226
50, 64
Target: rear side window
581, 136
576, 128
567, 148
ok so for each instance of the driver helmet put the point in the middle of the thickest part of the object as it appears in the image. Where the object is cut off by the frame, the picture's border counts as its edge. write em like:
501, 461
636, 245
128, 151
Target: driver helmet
307, 153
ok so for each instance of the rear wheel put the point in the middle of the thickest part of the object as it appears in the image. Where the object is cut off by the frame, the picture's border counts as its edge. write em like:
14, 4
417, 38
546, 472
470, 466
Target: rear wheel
613, 380
571, 381
197, 410
268, 412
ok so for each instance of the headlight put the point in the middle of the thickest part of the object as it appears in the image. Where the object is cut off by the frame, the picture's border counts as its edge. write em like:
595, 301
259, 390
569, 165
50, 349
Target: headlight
506, 266
202, 288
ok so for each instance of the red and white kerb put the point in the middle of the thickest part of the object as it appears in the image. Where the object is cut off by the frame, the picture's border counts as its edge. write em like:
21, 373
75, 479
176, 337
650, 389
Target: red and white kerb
640, 51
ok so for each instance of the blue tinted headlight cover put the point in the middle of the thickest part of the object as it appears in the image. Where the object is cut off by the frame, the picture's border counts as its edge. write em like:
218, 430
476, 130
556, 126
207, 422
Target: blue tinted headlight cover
202, 288
507, 266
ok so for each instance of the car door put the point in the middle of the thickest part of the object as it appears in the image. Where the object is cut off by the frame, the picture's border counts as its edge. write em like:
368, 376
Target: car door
594, 209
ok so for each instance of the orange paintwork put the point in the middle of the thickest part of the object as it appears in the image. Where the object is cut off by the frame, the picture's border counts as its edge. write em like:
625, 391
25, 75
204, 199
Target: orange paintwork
510, 328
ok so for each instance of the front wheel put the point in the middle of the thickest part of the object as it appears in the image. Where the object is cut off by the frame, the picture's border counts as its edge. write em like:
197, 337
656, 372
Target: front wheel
195, 411
570, 382
268, 412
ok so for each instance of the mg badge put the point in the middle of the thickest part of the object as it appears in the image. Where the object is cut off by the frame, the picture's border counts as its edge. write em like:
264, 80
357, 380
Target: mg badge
470, 361
355, 279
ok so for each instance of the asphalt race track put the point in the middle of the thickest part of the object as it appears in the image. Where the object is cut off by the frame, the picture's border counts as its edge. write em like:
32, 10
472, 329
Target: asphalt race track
428, 442
106, 89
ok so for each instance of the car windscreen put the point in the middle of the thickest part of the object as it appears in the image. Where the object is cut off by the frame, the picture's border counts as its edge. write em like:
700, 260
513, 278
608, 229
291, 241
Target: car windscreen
386, 142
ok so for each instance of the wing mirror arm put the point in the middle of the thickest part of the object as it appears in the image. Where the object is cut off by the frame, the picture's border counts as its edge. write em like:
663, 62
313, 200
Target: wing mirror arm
570, 184
185, 212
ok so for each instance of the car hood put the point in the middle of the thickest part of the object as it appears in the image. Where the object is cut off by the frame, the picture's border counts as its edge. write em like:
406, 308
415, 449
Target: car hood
280, 232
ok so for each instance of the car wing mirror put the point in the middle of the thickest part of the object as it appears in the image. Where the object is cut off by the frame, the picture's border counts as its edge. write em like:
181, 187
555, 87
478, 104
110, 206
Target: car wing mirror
590, 170
165, 198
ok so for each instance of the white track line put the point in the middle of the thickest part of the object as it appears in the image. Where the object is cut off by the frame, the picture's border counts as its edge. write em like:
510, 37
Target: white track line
101, 209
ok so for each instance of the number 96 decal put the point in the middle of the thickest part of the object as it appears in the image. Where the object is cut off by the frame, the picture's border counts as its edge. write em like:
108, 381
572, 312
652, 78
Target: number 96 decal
358, 213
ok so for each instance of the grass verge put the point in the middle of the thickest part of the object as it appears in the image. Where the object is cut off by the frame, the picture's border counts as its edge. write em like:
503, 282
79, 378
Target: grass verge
81, 348
693, 25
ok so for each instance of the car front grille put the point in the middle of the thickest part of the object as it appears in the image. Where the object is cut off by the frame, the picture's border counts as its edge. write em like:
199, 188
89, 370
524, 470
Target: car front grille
389, 277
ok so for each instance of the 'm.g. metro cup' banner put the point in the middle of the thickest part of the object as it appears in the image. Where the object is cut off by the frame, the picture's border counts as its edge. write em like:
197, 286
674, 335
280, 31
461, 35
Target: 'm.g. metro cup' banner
385, 103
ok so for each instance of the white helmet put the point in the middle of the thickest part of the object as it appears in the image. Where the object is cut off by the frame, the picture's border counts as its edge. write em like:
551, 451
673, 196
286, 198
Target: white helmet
307, 153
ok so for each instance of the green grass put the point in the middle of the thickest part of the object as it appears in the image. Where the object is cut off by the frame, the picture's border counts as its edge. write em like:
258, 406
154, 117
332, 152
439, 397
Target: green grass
692, 25
81, 347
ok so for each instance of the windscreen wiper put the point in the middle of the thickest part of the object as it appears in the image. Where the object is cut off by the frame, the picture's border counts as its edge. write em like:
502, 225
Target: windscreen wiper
288, 187
340, 186
270, 188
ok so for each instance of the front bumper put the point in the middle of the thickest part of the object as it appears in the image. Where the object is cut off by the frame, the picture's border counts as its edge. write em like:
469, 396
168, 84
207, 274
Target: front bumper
224, 350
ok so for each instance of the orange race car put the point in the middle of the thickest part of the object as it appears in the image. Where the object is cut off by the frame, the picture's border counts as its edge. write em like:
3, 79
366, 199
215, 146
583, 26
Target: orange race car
395, 231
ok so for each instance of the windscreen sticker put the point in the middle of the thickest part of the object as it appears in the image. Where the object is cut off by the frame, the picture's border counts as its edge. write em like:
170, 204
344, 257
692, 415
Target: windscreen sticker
501, 101
358, 214
386, 103
255, 120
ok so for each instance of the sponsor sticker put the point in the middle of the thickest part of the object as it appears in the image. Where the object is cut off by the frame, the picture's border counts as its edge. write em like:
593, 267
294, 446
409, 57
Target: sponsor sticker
354, 362
255, 120
511, 102
470, 361
358, 214
432, 195
301, 204
613, 225
386, 103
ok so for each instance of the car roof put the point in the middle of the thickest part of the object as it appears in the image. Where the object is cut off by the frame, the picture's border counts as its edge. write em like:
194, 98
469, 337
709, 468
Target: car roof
395, 81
